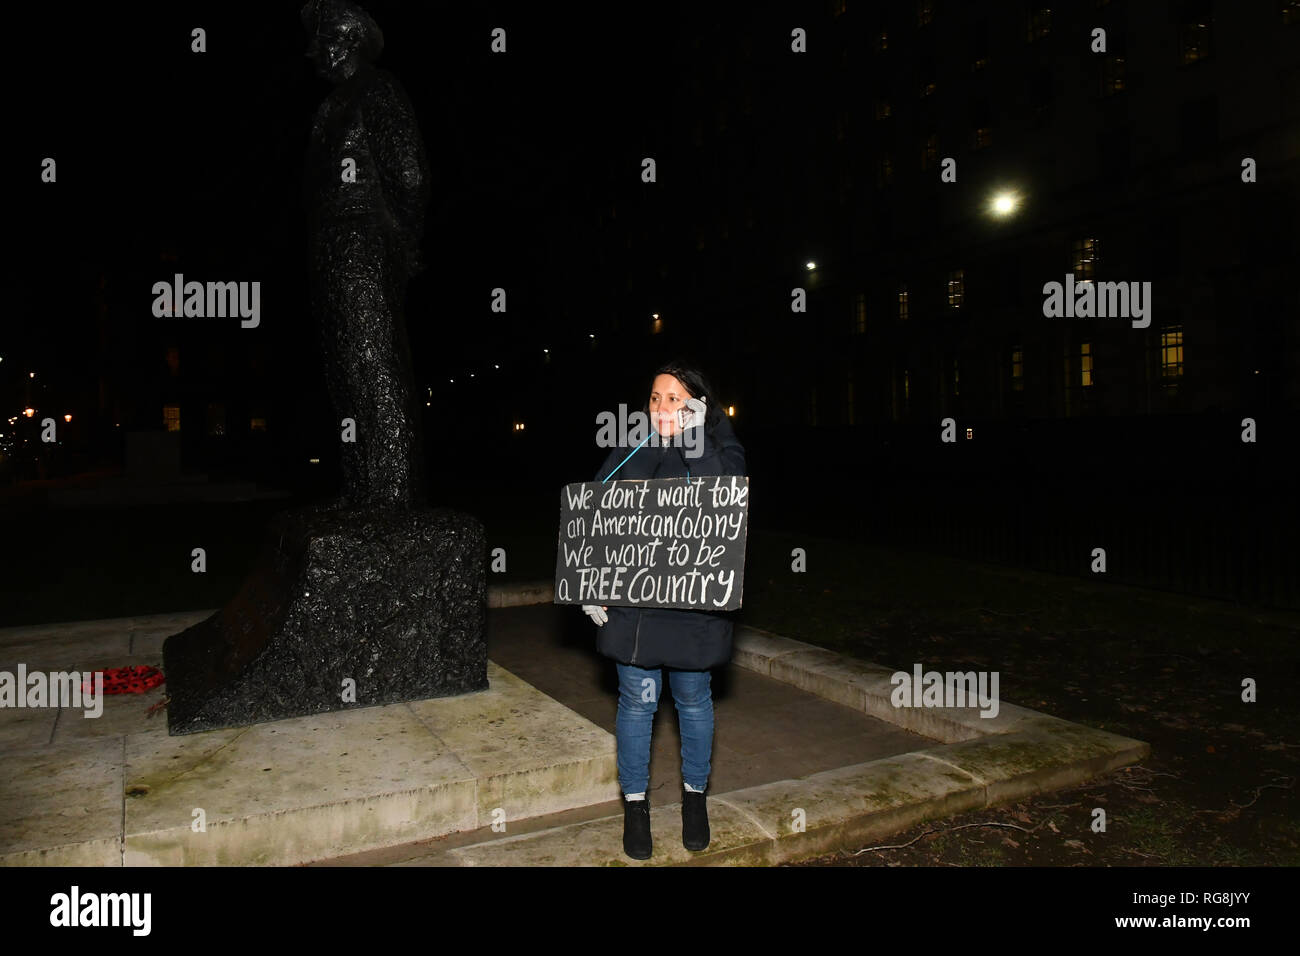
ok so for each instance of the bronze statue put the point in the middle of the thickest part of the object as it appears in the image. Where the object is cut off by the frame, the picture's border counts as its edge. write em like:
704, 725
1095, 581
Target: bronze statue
367, 186
375, 598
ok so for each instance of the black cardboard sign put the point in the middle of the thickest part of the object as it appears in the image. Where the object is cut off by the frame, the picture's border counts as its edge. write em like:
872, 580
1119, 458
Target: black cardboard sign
654, 542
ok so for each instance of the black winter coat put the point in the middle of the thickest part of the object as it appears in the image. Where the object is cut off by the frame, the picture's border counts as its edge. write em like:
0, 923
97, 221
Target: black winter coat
671, 637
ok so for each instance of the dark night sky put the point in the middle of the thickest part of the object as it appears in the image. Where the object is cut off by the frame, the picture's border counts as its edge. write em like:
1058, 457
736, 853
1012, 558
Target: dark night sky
160, 147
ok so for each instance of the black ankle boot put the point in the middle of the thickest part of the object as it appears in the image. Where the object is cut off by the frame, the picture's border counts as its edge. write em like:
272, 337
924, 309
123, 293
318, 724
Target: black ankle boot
695, 820
636, 828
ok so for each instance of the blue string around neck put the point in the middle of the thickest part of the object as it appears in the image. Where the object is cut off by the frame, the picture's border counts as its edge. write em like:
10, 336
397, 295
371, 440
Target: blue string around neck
633, 452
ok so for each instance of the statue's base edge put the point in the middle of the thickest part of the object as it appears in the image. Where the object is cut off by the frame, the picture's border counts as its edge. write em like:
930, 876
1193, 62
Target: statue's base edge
343, 608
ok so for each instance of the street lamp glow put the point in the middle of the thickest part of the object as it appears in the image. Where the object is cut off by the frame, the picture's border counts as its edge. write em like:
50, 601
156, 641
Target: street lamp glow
67, 418
1004, 204
811, 265
29, 412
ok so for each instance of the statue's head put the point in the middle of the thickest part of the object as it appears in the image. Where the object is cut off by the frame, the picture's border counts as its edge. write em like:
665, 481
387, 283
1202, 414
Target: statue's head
341, 37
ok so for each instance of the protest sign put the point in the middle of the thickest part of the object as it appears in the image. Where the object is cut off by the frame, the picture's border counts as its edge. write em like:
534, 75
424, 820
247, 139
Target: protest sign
654, 542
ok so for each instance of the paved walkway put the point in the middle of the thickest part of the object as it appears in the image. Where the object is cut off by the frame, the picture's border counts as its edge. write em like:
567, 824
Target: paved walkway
764, 730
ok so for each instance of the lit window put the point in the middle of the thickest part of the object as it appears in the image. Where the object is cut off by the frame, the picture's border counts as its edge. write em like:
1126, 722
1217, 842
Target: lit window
1171, 352
1085, 364
924, 12
257, 425
902, 303
882, 41
956, 288
172, 417
1083, 259
1017, 370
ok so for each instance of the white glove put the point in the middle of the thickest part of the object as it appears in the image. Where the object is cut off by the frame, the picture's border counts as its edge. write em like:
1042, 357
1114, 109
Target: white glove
597, 613
691, 415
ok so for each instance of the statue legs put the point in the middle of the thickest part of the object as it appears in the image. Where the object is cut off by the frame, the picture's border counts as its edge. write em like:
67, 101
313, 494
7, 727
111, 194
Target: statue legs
357, 301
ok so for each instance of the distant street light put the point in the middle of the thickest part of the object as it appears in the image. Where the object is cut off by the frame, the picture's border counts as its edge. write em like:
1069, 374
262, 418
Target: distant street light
1004, 204
811, 265
67, 418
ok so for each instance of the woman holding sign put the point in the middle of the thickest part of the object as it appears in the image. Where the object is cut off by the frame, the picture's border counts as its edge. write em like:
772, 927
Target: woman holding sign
646, 640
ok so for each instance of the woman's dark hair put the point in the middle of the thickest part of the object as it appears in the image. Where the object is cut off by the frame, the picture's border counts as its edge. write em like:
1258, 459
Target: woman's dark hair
693, 381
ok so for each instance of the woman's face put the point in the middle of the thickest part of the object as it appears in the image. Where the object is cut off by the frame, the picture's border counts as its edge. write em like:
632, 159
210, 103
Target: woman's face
667, 395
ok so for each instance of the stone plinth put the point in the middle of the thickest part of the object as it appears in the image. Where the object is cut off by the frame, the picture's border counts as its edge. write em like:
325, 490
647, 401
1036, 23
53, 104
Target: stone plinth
343, 609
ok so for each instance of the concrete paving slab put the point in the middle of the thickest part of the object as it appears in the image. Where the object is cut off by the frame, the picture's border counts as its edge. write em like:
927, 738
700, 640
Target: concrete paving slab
530, 755
84, 651
292, 790
587, 844
61, 805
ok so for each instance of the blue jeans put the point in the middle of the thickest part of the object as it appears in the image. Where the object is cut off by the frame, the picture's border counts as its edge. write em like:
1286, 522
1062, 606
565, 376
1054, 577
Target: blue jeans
638, 699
